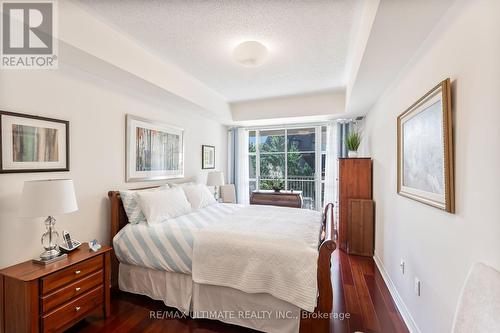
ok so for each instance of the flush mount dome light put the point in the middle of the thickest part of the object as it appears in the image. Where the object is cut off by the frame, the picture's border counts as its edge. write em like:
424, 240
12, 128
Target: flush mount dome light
250, 53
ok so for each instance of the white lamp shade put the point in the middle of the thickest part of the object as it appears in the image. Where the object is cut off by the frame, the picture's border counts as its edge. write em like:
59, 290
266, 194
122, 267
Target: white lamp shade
215, 178
51, 197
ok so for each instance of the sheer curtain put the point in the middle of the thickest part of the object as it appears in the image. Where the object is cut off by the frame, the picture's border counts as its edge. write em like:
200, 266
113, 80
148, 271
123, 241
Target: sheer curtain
331, 164
241, 176
231, 154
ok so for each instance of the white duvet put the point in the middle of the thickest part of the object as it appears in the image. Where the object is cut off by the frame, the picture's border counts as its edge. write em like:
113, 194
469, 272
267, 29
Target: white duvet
262, 249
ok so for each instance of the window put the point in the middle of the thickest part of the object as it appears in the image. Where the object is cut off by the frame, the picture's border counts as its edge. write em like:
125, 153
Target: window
293, 156
272, 155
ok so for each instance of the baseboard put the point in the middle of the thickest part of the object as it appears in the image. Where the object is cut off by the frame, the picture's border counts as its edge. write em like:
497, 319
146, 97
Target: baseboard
400, 304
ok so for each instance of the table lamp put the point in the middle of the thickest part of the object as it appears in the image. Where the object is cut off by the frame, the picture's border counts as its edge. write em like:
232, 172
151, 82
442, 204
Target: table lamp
48, 198
216, 179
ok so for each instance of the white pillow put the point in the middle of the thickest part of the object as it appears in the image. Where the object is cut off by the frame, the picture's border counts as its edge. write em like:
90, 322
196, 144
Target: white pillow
131, 205
159, 206
199, 196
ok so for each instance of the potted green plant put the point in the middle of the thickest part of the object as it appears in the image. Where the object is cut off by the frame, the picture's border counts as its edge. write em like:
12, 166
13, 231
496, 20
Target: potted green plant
353, 141
277, 185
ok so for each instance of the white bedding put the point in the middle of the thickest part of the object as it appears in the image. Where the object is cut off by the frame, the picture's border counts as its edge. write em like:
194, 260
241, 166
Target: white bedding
174, 289
168, 245
201, 301
262, 249
261, 312
255, 249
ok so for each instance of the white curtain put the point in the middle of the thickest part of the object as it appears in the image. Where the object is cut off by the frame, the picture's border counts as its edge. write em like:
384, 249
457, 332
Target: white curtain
331, 164
231, 164
242, 183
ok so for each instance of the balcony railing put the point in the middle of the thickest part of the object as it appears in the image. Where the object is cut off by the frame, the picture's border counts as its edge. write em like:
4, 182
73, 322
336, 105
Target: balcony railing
307, 185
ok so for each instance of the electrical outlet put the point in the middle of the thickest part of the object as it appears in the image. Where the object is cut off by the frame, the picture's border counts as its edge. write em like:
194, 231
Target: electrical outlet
402, 266
417, 286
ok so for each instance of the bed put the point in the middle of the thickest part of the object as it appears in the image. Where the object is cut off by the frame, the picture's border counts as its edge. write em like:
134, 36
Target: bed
165, 263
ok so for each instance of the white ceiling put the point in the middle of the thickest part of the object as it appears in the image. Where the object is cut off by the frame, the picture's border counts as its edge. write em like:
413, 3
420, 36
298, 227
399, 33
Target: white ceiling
309, 41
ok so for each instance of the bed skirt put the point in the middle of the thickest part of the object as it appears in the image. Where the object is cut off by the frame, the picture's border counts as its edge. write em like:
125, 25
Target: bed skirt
261, 312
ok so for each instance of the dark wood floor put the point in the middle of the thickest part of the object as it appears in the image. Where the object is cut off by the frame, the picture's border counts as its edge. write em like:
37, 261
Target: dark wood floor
360, 291
358, 288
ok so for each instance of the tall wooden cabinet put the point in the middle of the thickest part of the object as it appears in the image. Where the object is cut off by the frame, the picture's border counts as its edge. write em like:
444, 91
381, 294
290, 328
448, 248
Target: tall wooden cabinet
356, 208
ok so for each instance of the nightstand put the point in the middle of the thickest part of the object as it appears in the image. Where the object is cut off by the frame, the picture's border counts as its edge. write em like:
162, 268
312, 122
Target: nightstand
36, 298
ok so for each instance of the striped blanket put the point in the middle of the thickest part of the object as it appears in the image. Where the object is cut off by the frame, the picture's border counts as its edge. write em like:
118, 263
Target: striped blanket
167, 246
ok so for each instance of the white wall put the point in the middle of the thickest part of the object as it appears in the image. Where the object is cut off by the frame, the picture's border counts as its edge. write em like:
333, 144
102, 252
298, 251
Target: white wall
439, 247
96, 110
325, 103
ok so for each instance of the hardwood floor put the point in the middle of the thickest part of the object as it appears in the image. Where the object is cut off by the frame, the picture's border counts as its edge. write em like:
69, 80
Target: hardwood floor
359, 291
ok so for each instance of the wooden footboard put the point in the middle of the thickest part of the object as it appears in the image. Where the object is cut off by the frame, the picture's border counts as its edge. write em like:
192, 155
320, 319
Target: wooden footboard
319, 320
315, 322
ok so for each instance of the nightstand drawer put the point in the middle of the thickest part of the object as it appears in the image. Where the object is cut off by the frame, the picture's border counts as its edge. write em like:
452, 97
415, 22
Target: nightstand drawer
70, 312
70, 274
76, 288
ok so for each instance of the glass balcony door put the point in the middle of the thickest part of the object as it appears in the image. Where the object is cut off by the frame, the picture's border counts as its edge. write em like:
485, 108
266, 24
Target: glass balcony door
292, 157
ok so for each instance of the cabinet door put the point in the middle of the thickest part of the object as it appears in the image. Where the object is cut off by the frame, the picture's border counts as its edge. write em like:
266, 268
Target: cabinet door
355, 182
360, 227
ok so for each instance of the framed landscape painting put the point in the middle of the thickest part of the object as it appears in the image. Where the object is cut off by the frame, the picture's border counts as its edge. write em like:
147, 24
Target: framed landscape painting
207, 157
425, 150
33, 144
154, 150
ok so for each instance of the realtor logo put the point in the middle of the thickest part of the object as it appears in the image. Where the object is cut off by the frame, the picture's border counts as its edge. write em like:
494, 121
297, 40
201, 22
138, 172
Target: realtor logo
28, 35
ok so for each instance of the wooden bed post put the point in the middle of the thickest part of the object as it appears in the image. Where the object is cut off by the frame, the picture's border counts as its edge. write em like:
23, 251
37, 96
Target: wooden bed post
118, 220
319, 320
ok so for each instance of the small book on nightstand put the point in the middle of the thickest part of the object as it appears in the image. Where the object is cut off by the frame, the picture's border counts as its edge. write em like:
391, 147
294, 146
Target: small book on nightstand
39, 261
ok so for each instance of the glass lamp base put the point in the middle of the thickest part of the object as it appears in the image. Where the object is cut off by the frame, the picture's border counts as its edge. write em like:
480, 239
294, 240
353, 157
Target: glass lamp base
49, 240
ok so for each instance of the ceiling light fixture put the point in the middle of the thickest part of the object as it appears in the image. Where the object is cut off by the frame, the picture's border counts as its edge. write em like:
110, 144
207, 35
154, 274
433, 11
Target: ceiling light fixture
250, 53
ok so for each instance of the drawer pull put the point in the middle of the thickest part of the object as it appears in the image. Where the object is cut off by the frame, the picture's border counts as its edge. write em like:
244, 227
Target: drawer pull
77, 289
77, 308
77, 272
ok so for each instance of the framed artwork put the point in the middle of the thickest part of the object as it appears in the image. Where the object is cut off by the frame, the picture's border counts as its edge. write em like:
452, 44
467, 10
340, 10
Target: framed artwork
154, 150
425, 150
33, 144
207, 157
